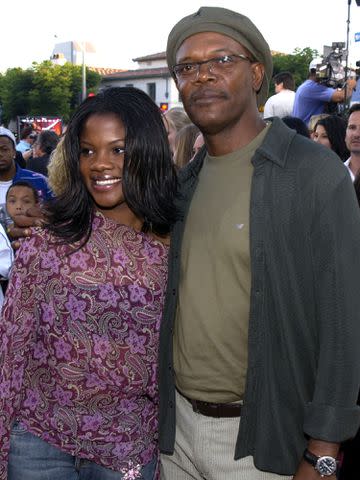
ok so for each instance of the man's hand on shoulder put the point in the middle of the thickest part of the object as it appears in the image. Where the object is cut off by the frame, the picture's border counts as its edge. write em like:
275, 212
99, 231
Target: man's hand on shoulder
34, 218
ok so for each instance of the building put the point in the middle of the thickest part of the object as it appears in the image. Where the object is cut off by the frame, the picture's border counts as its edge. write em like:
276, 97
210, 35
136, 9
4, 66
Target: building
152, 76
73, 51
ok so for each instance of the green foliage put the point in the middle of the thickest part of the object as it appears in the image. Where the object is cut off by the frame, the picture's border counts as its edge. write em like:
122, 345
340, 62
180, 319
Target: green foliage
297, 63
44, 89
15, 86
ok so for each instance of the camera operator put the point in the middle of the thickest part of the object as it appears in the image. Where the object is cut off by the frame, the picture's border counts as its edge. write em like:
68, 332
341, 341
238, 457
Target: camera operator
313, 95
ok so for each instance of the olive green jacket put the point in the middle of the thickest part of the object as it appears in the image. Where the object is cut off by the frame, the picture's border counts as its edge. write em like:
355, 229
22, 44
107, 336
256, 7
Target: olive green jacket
304, 327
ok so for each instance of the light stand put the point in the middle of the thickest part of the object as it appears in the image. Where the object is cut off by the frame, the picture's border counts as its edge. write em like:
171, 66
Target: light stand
347, 48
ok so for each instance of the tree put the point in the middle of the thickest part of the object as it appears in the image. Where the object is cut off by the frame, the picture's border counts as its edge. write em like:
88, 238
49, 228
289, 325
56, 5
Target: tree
297, 63
15, 86
44, 89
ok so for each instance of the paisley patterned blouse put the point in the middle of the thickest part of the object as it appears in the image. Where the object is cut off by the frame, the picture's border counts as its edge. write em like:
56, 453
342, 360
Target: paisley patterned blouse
79, 345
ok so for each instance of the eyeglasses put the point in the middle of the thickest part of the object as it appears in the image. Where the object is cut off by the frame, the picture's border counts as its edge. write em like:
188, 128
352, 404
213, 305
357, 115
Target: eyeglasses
217, 66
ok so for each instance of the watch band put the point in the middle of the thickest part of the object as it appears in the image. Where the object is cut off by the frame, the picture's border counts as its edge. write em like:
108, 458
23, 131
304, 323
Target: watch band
310, 457
325, 465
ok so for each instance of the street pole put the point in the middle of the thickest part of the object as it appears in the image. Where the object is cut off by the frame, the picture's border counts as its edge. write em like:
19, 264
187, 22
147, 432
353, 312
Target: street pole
83, 95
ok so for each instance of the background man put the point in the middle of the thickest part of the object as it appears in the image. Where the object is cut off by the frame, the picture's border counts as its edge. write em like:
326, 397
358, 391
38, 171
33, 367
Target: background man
281, 104
312, 96
261, 324
45, 143
352, 140
10, 173
27, 139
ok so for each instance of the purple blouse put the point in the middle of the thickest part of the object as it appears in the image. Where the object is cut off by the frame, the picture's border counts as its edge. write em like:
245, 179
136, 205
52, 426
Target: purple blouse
79, 345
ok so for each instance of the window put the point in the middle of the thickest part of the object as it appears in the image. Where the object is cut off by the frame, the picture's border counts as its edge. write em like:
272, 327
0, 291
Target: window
151, 90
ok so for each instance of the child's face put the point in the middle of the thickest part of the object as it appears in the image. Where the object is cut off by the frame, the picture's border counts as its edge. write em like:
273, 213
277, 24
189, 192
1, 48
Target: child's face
19, 199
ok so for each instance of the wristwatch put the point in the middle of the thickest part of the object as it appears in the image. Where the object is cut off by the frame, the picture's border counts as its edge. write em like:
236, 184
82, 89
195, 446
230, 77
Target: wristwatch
324, 465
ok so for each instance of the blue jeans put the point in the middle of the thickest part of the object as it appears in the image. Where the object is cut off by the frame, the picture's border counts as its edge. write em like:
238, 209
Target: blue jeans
34, 459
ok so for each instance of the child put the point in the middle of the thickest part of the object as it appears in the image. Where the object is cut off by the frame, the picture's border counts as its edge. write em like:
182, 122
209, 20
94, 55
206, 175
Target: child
19, 198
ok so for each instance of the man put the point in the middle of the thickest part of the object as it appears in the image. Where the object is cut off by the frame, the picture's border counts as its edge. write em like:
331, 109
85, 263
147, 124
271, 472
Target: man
43, 147
312, 96
281, 104
27, 139
352, 140
11, 172
259, 343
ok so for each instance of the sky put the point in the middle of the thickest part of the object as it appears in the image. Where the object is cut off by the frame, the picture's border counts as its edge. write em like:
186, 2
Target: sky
122, 30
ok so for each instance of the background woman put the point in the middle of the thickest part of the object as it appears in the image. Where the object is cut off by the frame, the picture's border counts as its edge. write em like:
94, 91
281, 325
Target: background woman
330, 132
78, 376
184, 143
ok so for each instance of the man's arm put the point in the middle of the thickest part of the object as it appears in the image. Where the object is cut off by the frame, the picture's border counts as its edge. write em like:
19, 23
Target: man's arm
333, 415
339, 95
306, 471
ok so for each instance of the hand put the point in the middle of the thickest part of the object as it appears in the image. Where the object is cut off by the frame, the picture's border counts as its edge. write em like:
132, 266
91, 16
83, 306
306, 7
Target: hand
34, 217
351, 83
28, 154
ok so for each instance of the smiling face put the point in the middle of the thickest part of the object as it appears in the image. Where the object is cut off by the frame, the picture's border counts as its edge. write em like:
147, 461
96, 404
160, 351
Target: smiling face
102, 146
216, 102
352, 138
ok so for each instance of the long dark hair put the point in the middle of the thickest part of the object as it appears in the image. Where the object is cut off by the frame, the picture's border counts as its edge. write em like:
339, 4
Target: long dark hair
149, 178
335, 128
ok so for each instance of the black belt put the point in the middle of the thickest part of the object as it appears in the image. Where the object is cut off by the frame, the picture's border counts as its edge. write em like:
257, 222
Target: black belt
217, 410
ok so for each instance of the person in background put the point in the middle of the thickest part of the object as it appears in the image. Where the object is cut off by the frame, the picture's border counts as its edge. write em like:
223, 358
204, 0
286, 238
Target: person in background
330, 132
6, 260
297, 124
184, 142
84, 304
46, 142
27, 139
11, 172
199, 142
57, 174
175, 119
259, 346
313, 121
281, 104
352, 140
19, 198
312, 96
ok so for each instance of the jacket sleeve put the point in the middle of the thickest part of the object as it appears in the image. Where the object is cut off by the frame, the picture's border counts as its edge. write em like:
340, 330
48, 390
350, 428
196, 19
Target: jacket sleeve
17, 334
335, 239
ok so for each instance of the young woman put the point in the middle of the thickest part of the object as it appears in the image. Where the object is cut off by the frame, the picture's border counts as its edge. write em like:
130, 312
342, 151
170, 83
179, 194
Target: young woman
330, 132
80, 327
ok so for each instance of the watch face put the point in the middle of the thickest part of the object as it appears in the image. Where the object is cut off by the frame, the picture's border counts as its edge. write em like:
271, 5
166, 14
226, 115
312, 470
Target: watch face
326, 466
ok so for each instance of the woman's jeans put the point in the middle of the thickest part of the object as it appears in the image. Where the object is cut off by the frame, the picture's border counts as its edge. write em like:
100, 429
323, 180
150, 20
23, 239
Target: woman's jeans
34, 459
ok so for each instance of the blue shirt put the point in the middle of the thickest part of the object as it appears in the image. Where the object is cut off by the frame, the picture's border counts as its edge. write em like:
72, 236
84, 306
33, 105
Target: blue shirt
310, 99
23, 146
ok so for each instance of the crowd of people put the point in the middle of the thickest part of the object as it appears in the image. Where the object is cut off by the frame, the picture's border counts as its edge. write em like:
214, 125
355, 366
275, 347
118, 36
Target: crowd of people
183, 303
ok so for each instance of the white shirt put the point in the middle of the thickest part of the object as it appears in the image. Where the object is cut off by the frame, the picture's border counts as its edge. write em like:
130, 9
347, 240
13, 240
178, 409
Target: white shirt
347, 165
6, 259
280, 105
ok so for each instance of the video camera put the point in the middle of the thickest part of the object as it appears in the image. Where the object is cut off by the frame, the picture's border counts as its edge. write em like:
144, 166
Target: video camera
330, 70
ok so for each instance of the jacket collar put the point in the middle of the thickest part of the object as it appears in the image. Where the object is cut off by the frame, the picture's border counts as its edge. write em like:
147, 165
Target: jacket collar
276, 143
274, 147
